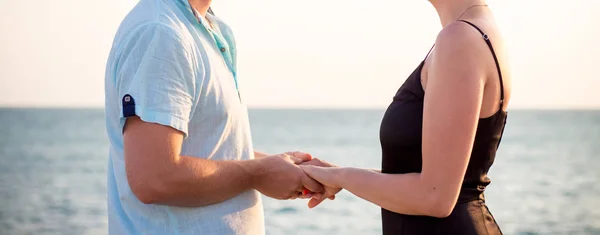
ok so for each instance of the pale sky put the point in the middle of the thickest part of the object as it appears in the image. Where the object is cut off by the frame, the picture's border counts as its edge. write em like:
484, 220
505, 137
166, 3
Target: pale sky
310, 53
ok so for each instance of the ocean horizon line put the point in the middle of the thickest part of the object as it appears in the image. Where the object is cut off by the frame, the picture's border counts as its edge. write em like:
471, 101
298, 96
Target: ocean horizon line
333, 108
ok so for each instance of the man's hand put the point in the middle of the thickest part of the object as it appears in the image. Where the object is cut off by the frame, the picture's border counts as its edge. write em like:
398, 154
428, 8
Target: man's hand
279, 176
330, 192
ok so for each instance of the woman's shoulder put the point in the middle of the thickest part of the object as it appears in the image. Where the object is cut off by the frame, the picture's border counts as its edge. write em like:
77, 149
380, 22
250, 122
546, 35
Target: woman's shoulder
460, 45
467, 47
466, 42
461, 36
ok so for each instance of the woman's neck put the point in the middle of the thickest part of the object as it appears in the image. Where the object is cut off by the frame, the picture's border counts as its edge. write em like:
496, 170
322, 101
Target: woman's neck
451, 10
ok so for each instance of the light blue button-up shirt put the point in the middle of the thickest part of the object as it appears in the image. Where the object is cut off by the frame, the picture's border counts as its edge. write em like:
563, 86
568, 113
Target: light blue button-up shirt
168, 68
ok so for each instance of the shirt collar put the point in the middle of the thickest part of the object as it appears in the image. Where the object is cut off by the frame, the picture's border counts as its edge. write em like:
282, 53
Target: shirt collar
185, 2
203, 19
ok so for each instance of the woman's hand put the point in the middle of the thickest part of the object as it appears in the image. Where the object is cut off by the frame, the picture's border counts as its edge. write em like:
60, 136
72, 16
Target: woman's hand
326, 174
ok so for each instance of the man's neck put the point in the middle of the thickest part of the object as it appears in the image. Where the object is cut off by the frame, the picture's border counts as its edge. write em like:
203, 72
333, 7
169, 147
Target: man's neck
450, 11
201, 6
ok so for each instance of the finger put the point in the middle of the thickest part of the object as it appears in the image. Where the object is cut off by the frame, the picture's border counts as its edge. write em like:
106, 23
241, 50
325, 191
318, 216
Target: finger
303, 190
318, 162
297, 161
318, 199
301, 196
303, 157
306, 196
315, 201
313, 162
295, 195
304, 193
316, 195
312, 185
314, 172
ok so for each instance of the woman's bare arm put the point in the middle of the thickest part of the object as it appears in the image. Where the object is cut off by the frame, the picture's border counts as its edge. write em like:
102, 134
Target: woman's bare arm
456, 79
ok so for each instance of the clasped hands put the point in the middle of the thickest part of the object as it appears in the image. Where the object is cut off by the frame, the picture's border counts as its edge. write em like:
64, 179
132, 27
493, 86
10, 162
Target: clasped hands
293, 175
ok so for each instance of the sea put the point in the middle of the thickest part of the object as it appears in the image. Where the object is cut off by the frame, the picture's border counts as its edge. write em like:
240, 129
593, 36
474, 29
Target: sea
546, 178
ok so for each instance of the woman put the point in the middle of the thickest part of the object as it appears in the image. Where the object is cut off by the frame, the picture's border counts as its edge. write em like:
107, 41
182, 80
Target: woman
440, 134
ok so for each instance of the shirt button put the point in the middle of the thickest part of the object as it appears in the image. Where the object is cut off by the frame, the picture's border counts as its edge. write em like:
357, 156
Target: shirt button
223, 49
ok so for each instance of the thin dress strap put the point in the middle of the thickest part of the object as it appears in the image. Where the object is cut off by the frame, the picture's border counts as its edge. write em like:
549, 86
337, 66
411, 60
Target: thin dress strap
487, 40
429, 52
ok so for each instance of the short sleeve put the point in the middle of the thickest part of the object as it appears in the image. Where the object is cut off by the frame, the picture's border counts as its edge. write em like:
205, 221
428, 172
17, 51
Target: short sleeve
155, 77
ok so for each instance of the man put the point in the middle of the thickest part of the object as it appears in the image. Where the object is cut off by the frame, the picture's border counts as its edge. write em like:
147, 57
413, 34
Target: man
181, 157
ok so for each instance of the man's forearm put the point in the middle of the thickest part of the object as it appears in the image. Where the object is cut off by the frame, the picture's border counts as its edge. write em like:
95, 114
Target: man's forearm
193, 182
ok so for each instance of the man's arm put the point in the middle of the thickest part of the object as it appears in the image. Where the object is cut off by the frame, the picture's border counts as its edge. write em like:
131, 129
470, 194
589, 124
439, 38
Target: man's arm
156, 79
157, 174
